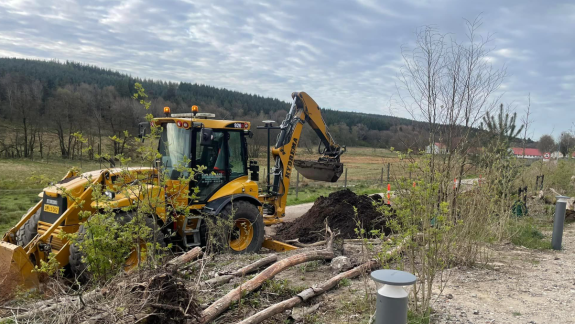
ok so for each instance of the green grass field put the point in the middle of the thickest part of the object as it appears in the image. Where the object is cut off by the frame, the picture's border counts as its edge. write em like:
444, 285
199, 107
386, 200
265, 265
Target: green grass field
22, 180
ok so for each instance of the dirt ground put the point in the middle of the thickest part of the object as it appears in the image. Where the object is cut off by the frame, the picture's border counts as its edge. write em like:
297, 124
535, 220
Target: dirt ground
344, 211
518, 286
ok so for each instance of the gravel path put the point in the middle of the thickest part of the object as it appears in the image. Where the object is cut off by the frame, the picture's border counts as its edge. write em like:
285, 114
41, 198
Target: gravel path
518, 286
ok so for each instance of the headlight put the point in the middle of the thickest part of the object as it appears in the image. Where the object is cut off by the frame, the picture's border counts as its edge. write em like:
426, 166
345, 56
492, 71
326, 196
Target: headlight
111, 195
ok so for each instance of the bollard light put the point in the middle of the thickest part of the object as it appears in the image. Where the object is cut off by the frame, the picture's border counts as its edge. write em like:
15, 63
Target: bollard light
392, 297
559, 221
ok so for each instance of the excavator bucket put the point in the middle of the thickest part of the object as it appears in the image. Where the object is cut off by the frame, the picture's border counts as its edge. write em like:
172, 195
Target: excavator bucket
320, 171
15, 269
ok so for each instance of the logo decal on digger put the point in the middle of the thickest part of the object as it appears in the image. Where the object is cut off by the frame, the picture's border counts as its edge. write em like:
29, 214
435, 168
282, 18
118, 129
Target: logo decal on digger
52, 209
291, 157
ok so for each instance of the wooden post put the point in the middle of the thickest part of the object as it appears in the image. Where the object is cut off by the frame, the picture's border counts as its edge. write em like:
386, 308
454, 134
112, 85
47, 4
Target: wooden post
388, 165
296, 183
345, 179
381, 178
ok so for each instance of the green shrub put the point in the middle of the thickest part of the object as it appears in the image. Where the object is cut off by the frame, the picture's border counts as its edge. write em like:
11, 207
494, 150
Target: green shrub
525, 233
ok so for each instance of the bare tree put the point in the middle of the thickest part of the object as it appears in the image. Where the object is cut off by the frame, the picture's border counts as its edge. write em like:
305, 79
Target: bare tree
66, 109
546, 144
24, 99
566, 143
450, 85
526, 122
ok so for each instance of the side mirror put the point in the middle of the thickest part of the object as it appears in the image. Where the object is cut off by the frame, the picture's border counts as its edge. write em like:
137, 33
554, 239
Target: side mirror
142, 127
207, 136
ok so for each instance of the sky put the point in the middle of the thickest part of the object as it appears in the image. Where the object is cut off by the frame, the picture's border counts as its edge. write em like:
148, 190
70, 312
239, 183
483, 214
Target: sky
345, 53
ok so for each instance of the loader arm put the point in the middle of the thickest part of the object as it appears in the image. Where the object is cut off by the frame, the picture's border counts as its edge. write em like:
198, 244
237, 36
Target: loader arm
328, 168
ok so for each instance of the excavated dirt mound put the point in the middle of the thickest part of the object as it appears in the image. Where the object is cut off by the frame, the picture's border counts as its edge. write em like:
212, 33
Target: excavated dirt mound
338, 209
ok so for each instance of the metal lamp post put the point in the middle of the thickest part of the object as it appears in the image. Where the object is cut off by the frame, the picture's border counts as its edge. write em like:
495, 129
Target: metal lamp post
392, 297
268, 124
560, 207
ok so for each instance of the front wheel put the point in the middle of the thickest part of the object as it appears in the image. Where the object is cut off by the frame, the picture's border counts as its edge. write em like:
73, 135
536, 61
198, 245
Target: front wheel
247, 233
29, 230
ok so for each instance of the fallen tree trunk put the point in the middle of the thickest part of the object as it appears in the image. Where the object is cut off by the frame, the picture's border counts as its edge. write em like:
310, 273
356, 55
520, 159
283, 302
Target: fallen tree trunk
297, 243
307, 294
186, 257
222, 304
320, 289
254, 266
224, 278
300, 316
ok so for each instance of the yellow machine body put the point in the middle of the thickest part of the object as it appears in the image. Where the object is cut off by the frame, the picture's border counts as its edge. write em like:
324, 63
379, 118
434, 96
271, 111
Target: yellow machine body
62, 202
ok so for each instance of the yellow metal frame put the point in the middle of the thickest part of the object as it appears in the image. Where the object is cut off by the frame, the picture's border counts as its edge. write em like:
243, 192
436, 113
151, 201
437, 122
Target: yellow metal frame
277, 245
310, 113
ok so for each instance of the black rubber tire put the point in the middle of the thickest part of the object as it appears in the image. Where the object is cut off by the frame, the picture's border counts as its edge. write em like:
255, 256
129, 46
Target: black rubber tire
29, 230
80, 269
249, 211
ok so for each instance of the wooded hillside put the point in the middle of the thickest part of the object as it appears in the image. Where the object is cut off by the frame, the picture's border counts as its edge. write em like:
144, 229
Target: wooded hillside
55, 108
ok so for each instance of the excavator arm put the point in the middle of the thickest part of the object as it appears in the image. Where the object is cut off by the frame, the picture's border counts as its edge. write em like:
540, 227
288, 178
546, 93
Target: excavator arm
328, 167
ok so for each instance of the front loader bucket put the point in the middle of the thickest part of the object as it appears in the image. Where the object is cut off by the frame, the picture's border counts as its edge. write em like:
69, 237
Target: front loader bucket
15, 269
320, 171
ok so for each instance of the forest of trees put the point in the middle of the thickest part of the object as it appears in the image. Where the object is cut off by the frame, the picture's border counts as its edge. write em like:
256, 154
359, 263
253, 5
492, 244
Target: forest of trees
51, 108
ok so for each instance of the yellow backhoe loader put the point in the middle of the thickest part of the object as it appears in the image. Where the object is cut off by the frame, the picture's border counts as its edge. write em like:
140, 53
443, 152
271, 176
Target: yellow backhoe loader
227, 186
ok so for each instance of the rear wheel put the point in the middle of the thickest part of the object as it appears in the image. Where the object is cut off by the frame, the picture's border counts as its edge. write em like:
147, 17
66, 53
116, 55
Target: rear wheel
29, 230
247, 233
80, 269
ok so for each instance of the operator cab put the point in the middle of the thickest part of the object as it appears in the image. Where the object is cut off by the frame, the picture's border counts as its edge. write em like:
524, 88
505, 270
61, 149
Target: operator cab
218, 155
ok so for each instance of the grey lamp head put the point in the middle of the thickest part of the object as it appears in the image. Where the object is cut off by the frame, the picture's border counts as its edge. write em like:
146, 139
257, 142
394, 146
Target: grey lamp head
393, 277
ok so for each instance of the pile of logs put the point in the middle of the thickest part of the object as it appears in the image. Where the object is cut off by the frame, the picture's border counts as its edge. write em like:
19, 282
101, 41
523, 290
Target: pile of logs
188, 311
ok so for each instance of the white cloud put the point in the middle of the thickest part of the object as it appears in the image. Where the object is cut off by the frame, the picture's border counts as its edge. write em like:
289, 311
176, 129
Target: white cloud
346, 54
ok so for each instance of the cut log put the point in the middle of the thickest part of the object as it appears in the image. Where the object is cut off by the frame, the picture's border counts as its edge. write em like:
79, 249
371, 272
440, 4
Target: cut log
299, 316
218, 281
320, 289
191, 255
307, 294
222, 304
254, 266
225, 278
297, 243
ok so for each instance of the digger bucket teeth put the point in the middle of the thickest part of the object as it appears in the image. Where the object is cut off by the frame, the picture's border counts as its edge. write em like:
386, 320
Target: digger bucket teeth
15, 269
320, 171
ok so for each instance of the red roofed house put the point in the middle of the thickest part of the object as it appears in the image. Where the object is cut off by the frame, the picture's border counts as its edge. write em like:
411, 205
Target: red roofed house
530, 153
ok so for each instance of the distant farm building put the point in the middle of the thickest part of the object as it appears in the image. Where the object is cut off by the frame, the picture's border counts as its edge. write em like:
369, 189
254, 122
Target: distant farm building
530, 153
533, 153
437, 148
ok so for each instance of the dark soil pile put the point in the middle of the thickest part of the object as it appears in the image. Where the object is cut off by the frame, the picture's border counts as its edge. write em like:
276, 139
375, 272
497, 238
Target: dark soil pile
338, 209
